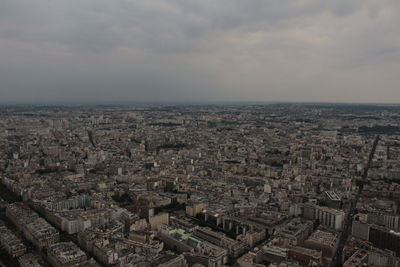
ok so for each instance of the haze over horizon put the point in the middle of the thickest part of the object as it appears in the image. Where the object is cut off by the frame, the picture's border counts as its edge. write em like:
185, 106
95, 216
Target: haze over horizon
186, 50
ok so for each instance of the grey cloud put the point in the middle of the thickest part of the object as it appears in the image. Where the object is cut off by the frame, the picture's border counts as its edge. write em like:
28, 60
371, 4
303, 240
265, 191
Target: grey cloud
226, 49
105, 24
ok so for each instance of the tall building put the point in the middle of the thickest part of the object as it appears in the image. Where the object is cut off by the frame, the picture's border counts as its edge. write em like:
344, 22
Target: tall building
380, 237
329, 217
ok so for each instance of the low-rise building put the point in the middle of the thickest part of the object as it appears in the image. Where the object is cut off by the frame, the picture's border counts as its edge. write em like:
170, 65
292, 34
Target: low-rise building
30, 260
323, 241
359, 258
12, 244
296, 231
234, 247
182, 241
305, 256
41, 233
65, 254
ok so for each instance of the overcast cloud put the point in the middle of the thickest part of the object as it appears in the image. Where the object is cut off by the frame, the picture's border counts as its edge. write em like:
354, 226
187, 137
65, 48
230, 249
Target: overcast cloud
200, 50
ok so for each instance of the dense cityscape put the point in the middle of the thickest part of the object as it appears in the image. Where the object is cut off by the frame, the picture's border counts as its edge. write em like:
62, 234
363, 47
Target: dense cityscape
241, 185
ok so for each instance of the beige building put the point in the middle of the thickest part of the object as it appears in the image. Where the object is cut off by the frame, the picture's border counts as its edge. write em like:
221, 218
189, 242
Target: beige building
326, 216
323, 241
65, 254
12, 244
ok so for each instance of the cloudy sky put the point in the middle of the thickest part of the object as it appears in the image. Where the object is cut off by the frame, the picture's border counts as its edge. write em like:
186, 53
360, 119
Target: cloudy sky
200, 50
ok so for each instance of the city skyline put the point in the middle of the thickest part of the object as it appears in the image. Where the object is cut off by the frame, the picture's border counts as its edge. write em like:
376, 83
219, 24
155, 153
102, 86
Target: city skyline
283, 185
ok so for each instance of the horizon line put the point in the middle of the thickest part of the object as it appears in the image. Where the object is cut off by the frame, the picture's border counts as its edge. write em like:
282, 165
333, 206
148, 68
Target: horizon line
182, 102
